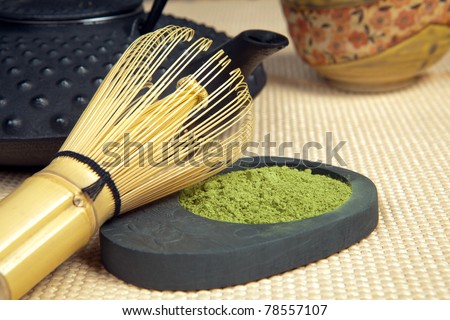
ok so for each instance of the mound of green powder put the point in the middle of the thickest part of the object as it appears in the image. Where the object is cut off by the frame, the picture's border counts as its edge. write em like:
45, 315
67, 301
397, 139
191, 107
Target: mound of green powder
265, 195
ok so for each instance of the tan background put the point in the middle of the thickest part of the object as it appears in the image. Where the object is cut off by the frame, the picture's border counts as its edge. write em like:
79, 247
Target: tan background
398, 139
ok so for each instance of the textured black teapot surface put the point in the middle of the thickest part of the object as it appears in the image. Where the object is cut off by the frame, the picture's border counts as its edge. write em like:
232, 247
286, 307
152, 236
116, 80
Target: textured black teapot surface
53, 57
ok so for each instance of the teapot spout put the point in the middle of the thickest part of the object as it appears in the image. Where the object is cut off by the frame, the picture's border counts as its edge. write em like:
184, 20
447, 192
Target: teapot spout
249, 48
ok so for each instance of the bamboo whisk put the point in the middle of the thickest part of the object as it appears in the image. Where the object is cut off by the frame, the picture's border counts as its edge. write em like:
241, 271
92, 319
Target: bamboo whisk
133, 144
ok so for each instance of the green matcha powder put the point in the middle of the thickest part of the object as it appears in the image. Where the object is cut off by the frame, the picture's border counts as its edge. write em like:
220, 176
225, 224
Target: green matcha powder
265, 195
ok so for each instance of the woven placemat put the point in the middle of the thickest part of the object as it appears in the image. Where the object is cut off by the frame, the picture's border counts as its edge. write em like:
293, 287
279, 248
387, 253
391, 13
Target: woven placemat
399, 139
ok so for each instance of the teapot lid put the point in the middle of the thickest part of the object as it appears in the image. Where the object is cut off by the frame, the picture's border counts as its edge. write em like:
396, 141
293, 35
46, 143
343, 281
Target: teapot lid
56, 10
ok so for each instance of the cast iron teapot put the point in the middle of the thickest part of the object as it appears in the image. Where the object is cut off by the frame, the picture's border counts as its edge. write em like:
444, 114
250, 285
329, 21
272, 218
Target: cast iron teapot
55, 54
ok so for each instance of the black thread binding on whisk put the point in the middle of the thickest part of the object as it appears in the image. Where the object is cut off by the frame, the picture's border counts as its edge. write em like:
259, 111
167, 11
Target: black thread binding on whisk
105, 179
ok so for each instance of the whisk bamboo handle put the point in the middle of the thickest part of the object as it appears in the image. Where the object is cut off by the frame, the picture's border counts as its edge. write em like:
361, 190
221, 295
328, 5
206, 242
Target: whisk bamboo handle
45, 221
52, 220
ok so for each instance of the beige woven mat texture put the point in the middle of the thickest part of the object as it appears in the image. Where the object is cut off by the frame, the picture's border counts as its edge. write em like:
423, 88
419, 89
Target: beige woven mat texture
399, 139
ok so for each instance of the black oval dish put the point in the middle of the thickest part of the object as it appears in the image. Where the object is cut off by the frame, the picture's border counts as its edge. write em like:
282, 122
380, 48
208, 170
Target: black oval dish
162, 246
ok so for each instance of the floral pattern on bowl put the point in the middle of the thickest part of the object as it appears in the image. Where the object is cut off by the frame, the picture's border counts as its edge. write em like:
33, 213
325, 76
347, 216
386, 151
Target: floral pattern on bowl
329, 36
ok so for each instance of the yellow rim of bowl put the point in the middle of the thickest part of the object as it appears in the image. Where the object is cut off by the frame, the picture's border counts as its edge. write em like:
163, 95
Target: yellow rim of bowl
398, 63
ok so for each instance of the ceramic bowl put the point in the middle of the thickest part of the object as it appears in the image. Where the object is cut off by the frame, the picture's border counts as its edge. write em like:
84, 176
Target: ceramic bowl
369, 45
